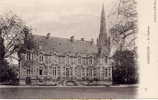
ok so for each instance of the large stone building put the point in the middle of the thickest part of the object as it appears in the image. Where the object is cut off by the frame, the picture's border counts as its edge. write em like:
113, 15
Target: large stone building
61, 61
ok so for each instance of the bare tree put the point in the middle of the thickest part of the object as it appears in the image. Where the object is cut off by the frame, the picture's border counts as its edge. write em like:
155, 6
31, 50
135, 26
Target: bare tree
126, 25
12, 31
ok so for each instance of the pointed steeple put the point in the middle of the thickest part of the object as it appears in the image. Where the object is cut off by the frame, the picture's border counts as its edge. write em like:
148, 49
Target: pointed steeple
102, 22
102, 41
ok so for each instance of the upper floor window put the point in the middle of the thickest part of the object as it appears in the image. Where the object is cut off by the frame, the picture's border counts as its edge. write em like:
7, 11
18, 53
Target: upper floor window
79, 60
64, 60
106, 58
90, 60
106, 72
71, 60
28, 56
67, 60
84, 61
47, 59
24, 57
41, 58
28, 71
109, 71
61, 59
54, 71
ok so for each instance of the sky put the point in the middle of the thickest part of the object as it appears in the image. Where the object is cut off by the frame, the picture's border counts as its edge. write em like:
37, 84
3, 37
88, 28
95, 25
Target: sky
61, 18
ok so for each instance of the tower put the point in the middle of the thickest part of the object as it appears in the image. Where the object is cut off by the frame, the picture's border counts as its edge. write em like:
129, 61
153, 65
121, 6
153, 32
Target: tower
103, 41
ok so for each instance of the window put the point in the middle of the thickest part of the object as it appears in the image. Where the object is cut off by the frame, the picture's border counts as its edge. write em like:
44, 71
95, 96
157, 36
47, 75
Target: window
41, 58
109, 72
28, 56
95, 72
49, 59
79, 60
106, 72
60, 60
71, 60
46, 59
91, 73
24, 57
28, 71
32, 56
68, 60
70, 71
54, 71
84, 61
67, 72
90, 60
40, 72
58, 70
106, 59
87, 71
64, 59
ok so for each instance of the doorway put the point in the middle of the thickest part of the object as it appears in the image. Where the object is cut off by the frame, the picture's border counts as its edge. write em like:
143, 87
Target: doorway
28, 81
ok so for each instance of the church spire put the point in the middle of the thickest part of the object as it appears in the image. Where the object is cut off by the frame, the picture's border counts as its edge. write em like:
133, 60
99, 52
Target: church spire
103, 22
102, 41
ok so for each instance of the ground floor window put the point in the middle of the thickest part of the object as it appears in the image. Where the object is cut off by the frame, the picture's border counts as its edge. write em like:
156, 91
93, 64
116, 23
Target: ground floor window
28, 71
54, 71
109, 71
40, 72
106, 72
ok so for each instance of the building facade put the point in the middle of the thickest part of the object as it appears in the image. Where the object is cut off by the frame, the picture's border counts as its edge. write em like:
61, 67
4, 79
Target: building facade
61, 61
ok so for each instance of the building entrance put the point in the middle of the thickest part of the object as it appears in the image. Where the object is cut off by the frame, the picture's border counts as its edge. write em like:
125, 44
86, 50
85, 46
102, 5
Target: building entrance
69, 73
28, 81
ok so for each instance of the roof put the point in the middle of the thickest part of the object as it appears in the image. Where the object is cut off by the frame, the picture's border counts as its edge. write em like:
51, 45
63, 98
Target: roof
64, 45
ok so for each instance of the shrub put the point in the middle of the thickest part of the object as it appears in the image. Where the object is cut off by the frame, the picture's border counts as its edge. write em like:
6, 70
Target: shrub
124, 69
7, 74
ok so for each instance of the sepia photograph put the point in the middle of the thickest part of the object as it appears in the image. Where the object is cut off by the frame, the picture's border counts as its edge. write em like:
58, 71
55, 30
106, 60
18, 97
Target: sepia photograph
72, 49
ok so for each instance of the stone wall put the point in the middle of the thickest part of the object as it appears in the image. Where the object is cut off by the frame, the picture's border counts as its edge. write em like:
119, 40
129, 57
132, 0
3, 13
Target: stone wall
46, 69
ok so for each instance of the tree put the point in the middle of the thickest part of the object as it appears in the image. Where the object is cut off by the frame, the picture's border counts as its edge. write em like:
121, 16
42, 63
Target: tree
123, 35
125, 68
13, 32
6, 73
2, 49
124, 30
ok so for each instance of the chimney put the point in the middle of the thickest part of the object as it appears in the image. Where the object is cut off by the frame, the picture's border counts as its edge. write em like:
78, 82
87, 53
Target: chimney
82, 39
72, 38
92, 41
48, 36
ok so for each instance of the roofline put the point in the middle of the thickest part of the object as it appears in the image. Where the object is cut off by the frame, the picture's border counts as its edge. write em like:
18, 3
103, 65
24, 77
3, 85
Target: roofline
65, 38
